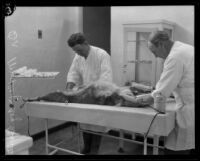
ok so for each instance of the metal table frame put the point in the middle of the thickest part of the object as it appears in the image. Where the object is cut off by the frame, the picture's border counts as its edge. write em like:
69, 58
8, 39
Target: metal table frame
121, 138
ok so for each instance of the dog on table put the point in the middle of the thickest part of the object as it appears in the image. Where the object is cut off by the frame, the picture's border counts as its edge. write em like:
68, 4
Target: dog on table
101, 93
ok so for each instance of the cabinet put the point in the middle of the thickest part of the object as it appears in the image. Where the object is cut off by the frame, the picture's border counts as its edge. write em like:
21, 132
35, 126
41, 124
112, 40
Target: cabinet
139, 64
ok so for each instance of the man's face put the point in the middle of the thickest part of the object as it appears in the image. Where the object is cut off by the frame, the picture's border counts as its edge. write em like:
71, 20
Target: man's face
80, 49
157, 51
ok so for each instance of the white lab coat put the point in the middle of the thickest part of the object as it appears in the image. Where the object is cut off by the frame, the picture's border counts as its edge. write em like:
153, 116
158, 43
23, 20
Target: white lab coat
83, 71
178, 77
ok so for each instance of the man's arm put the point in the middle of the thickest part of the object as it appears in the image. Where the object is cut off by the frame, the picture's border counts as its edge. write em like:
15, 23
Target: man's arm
78, 92
145, 99
170, 77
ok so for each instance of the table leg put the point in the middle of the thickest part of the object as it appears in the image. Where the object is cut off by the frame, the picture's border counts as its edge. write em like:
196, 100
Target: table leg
78, 130
145, 146
155, 143
133, 136
46, 136
121, 142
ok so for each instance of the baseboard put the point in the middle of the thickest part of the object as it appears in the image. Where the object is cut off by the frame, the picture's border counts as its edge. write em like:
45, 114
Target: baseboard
51, 130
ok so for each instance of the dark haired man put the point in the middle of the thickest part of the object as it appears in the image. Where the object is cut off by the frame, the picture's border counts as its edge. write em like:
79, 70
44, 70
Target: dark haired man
90, 64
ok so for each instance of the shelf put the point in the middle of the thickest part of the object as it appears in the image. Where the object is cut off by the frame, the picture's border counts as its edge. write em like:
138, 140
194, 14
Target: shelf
31, 77
49, 75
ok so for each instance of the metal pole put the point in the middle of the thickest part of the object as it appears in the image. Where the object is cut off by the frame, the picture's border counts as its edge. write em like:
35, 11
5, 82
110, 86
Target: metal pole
12, 89
11, 106
121, 141
53, 152
65, 150
155, 143
145, 146
46, 135
78, 130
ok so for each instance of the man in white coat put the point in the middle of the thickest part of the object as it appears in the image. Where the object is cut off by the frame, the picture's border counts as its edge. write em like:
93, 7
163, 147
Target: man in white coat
177, 78
89, 64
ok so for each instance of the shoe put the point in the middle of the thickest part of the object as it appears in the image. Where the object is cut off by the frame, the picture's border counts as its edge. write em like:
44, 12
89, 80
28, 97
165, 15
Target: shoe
85, 151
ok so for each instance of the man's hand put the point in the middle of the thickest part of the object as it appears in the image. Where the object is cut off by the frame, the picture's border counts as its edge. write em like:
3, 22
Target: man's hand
145, 99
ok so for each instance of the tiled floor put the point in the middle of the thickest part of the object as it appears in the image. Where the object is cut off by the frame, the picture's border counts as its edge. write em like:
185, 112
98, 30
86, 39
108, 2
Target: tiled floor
109, 146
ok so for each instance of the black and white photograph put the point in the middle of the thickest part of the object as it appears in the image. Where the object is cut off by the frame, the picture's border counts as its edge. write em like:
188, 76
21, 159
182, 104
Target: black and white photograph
99, 80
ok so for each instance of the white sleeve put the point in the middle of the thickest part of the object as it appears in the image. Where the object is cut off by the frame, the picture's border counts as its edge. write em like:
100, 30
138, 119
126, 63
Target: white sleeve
73, 74
170, 77
106, 69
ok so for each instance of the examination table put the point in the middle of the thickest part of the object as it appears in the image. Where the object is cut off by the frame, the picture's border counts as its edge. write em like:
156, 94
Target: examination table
136, 120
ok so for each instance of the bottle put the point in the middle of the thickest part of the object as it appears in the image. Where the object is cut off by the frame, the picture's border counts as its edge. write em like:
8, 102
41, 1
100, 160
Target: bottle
159, 103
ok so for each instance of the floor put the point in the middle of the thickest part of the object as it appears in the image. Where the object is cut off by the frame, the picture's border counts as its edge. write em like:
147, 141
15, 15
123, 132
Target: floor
109, 146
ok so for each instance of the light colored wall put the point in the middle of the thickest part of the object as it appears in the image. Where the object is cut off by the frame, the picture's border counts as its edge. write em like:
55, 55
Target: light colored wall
51, 53
183, 16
